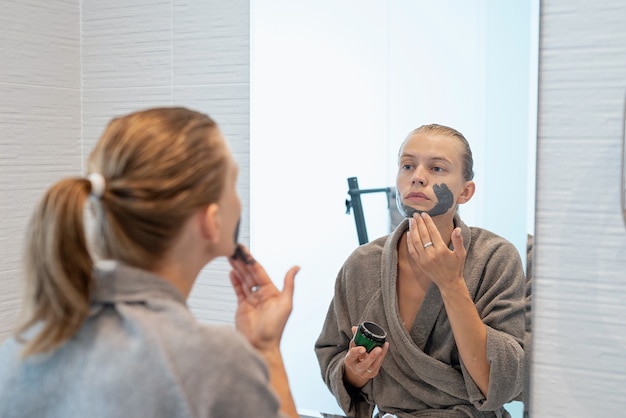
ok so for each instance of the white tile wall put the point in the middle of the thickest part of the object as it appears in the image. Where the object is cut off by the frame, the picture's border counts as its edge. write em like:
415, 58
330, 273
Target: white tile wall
40, 43
68, 67
126, 44
39, 123
579, 358
211, 43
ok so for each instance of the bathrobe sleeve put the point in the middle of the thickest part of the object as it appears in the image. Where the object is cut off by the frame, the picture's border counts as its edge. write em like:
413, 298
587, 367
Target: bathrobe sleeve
497, 283
354, 291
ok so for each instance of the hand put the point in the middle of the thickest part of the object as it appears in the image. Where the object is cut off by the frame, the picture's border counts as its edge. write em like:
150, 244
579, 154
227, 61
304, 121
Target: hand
445, 268
262, 310
362, 366
430, 253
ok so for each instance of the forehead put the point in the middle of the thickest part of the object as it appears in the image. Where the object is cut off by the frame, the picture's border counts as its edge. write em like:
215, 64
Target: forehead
434, 145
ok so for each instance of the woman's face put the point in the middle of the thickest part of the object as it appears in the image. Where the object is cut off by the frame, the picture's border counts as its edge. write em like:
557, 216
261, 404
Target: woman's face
430, 174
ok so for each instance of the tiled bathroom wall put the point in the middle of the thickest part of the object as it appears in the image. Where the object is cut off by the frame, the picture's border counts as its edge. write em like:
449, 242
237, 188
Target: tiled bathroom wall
579, 302
68, 67
40, 123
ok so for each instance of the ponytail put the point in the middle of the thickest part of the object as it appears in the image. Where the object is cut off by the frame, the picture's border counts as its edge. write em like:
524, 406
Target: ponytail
160, 166
58, 268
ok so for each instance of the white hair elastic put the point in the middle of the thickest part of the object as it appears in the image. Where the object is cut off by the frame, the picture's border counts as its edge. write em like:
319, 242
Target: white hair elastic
97, 184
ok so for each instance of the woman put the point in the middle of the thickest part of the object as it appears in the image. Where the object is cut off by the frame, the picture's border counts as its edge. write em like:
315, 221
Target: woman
450, 297
113, 337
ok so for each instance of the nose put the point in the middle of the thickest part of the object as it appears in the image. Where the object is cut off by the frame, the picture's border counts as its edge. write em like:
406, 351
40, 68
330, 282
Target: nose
419, 176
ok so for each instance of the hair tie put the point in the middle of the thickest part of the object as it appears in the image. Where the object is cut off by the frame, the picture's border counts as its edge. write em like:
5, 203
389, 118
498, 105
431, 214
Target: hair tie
97, 184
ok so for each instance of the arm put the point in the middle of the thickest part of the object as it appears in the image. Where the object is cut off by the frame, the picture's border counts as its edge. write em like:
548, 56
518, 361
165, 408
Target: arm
279, 381
486, 313
332, 348
262, 313
445, 268
470, 334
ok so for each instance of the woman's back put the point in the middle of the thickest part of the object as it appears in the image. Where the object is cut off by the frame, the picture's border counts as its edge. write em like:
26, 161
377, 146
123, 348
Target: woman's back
140, 352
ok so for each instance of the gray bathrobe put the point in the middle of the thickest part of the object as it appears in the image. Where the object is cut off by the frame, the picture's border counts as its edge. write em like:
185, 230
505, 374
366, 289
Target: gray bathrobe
422, 374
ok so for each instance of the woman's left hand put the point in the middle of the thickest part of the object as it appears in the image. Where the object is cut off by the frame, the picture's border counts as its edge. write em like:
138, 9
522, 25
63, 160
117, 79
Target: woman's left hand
431, 254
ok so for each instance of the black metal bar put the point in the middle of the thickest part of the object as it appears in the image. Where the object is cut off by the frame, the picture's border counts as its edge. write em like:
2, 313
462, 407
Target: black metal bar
355, 195
357, 208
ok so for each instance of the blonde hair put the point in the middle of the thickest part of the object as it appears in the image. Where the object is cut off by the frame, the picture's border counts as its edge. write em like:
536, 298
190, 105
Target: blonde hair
467, 158
159, 166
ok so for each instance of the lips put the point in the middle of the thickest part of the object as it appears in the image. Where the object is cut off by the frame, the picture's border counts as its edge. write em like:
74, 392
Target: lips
417, 196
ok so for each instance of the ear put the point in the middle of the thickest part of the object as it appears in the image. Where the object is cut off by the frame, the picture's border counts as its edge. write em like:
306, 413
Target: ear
210, 223
467, 193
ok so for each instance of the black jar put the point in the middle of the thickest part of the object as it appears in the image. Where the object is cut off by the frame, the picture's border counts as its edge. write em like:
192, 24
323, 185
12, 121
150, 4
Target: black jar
369, 335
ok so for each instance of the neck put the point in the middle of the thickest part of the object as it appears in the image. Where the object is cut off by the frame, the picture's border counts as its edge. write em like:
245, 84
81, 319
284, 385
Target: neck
180, 276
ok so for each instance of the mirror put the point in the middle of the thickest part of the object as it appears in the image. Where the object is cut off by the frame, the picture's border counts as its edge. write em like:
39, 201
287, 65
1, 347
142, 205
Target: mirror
335, 88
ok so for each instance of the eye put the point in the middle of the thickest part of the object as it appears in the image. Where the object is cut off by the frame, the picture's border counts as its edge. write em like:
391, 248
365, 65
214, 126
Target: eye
406, 167
438, 169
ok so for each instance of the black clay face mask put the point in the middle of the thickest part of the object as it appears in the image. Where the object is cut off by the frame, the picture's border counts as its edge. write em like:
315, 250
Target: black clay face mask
445, 200
239, 254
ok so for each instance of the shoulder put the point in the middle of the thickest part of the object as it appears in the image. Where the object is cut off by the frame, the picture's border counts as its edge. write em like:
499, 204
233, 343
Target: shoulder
490, 256
365, 259
372, 248
215, 344
488, 244
215, 358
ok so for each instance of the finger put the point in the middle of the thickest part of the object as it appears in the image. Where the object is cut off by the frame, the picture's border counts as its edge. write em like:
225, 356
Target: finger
457, 242
351, 360
381, 352
412, 239
242, 257
352, 344
242, 253
237, 286
288, 285
429, 229
252, 274
243, 274
357, 354
245, 281
249, 281
424, 233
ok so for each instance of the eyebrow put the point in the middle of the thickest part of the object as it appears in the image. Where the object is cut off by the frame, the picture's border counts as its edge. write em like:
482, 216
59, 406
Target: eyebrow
436, 158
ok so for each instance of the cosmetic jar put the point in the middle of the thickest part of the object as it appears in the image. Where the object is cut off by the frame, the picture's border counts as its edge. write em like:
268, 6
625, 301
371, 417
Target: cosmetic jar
369, 335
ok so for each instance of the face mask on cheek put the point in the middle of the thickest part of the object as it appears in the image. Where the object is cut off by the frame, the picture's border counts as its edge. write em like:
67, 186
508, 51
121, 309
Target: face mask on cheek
445, 200
239, 253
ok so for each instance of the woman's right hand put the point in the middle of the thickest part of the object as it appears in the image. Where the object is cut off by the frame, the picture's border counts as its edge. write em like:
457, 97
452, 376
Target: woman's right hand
262, 313
361, 366
262, 310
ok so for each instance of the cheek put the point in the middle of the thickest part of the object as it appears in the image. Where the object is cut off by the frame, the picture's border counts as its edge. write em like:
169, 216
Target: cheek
403, 178
461, 194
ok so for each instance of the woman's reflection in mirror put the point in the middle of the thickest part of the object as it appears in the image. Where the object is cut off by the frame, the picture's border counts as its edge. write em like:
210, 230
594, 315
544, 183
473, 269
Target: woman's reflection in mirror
451, 297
